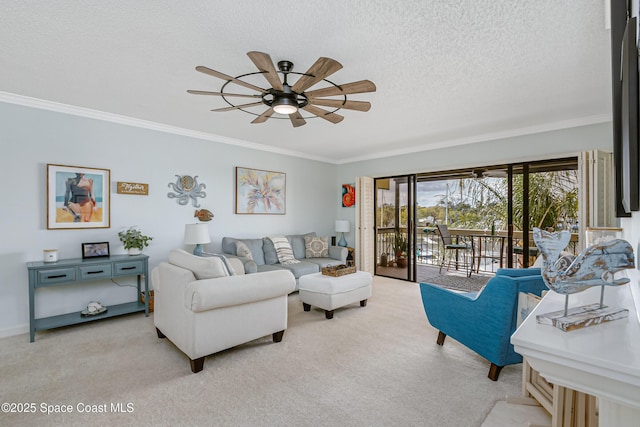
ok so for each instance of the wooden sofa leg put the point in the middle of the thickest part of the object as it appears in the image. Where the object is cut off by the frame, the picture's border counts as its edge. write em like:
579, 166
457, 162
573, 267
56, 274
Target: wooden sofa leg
306, 307
494, 371
328, 314
197, 364
277, 336
160, 334
441, 337
363, 303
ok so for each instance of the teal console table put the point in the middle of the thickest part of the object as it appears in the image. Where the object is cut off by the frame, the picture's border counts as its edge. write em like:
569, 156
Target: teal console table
79, 270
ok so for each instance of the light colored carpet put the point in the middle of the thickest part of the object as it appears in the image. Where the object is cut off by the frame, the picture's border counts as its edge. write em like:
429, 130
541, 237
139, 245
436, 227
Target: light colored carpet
459, 282
453, 279
372, 366
513, 414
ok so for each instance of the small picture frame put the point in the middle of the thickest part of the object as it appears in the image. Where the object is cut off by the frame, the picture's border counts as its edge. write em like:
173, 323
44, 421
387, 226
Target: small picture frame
95, 250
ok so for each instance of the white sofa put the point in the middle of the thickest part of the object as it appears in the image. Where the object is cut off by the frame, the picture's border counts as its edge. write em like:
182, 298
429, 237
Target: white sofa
202, 309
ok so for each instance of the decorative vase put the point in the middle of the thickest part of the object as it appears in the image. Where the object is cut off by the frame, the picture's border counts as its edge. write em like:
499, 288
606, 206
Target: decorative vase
383, 260
401, 262
134, 251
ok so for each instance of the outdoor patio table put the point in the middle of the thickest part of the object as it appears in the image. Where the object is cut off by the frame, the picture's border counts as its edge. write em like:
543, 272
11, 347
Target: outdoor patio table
490, 242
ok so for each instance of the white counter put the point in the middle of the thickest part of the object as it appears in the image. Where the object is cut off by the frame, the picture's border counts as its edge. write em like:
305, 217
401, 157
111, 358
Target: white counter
602, 360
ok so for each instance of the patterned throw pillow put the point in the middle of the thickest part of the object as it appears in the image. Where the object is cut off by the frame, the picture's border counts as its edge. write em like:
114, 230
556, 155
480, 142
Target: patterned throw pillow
316, 247
243, 250
284, 251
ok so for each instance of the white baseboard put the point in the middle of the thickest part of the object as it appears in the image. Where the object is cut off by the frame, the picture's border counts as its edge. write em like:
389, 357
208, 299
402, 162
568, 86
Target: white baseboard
16, 330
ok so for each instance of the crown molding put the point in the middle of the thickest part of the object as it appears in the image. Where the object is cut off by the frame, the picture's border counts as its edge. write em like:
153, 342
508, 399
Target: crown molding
130, 121
58, 107
509, 133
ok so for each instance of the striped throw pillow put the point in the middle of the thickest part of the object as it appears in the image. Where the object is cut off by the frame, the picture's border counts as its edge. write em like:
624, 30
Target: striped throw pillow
283, 250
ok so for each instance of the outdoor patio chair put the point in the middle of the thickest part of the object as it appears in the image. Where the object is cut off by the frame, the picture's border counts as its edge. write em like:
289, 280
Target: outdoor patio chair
483, 321
452, 251
519, 252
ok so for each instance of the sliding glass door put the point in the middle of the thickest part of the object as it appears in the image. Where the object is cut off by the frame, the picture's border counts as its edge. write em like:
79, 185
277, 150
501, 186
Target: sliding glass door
493, 208
496, 207
394, 218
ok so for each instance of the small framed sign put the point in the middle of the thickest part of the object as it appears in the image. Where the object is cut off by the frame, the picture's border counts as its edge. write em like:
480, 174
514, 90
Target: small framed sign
133, 188
95, 250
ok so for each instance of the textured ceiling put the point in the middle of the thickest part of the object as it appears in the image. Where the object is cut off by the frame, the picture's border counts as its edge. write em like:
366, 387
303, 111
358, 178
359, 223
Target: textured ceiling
447, 72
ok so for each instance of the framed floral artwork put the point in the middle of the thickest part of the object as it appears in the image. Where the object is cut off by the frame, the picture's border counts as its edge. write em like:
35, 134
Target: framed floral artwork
260, 192
348, 195
77, 197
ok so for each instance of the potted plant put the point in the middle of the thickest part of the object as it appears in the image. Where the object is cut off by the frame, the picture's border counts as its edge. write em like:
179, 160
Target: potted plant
400, 249
134, 241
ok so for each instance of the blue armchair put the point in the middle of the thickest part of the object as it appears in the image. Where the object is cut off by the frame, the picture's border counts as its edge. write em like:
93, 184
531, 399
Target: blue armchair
483, 321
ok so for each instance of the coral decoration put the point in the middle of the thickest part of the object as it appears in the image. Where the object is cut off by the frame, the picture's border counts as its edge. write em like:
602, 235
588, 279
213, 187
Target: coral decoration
348, 195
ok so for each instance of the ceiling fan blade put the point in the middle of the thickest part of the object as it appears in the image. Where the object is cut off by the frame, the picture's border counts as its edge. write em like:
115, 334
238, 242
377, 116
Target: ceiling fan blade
338, 103
204, 92
223, 76
361, 86
323, 114
264, 116
321, 69
265, 65
297, 120
237, 107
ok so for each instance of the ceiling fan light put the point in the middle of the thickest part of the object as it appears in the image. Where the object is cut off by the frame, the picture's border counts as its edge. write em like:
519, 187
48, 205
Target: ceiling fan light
285, 105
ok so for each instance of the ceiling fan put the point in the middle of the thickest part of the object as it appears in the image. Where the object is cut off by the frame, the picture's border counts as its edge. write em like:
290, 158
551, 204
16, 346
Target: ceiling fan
286, 98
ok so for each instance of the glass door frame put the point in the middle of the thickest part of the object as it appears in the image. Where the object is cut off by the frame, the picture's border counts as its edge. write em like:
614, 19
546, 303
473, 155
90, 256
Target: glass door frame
408, 273
524, 168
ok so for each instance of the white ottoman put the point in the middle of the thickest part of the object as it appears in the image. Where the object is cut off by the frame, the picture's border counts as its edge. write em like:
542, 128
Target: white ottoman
329, 293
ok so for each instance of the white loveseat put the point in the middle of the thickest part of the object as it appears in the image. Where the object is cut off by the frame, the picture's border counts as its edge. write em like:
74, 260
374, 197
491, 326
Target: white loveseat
202, 309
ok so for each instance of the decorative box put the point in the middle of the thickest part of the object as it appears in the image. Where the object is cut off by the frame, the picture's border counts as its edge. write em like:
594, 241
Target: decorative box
338, 270
601, 235
150, 300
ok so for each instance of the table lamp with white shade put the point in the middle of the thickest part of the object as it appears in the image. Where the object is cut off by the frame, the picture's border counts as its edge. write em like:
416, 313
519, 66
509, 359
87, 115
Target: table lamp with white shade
342, 226
196, 234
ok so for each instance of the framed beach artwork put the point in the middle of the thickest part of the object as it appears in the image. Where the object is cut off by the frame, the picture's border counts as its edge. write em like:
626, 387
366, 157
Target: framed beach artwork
77, 197
260, 192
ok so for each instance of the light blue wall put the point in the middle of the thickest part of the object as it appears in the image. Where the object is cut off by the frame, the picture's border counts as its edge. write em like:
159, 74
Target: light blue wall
31, 138
543, 145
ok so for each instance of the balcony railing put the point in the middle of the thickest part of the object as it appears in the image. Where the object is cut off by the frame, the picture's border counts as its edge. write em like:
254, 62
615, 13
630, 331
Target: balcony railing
490, 251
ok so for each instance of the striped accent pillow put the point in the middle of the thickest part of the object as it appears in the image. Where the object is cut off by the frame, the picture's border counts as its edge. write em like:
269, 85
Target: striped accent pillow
283, 250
